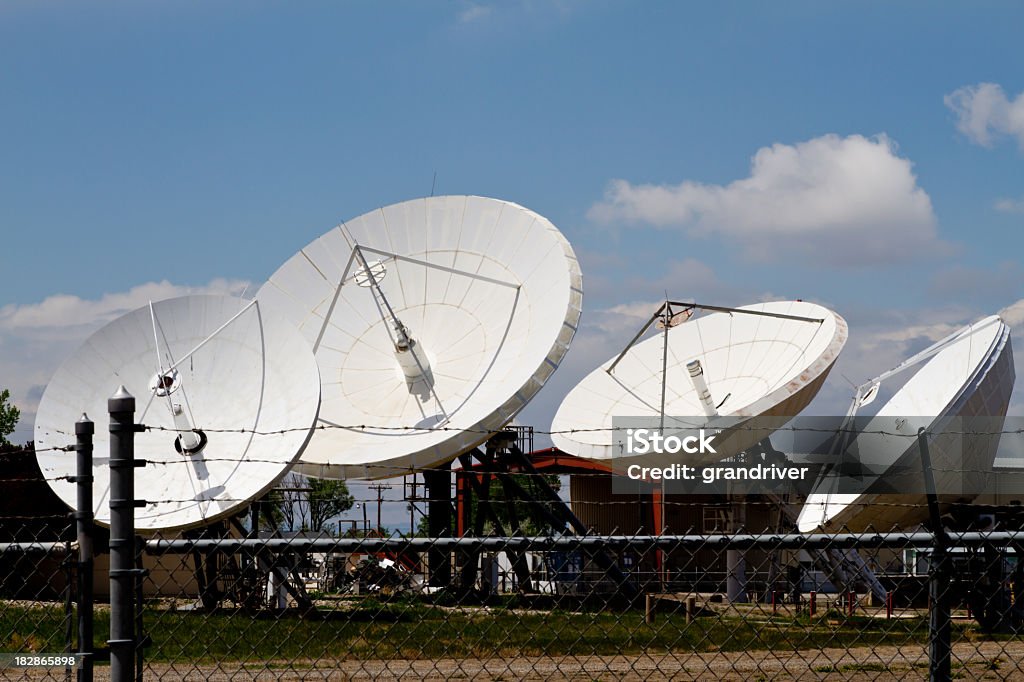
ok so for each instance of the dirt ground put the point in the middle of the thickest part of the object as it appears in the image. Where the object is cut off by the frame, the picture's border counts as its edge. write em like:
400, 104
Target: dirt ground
971, 661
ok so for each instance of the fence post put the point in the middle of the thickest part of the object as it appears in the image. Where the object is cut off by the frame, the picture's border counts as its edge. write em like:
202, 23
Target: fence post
70, 570
121, 407
140, 637
939, 626
439, 522
939, 634
84, 430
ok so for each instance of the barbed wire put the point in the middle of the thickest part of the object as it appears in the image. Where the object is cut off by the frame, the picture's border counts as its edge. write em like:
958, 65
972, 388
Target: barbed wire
34, 451
453, 429
842, 533
612, 429
549, 502
392, 471
33, 517
478, 472
515, 470
30, 479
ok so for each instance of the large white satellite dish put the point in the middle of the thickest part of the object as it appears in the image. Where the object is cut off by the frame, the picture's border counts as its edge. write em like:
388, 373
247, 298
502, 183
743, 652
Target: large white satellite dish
968, 374
206, 372
433, 322
762, 360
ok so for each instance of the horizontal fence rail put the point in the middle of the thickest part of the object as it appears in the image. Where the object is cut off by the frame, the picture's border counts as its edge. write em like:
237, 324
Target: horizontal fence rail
570, 542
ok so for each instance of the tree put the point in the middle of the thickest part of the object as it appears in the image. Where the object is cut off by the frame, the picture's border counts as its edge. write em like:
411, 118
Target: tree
327, 499
529, 521
300, 503
9, 415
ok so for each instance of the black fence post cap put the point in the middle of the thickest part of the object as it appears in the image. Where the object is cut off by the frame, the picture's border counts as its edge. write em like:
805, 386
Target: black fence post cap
121, 401
84, 426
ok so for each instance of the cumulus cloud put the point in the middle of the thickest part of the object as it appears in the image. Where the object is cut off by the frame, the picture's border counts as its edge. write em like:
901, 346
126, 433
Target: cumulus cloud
473, 12
984, 113
525, 14
37, 337
843, 201
1009, 205
623, 320
1013, 315
62, 311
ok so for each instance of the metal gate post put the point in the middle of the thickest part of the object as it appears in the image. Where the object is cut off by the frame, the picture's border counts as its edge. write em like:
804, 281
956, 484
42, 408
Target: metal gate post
122, 642
84, 430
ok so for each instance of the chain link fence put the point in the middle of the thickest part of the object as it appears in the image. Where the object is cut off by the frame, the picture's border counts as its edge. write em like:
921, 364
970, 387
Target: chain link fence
239, 599
38, 568
221, 606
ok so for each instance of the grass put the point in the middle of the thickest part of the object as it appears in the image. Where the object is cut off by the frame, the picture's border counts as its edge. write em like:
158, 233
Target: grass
851, 667
372, 629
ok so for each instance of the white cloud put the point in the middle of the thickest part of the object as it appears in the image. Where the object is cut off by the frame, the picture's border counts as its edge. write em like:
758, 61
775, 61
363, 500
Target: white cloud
62, 310
1013, 315
37, 337
623, 320
513, 16
1009, 205
903, 337
473, 12
984, 112
845, 201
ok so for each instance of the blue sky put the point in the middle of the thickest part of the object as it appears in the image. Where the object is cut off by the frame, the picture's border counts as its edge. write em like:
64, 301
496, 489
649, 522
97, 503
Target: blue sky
133, 128
156, 148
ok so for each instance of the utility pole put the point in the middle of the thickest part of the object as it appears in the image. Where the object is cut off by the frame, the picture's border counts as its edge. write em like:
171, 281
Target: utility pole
380, 488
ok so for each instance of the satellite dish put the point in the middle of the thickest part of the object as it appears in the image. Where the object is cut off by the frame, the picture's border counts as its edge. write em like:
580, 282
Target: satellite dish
968, 374
433, 321
767, 359
207, 372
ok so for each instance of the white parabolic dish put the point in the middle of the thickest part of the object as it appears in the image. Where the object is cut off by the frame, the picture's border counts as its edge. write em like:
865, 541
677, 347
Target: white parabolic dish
249, 371
754, 365
433, 322
971, 376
